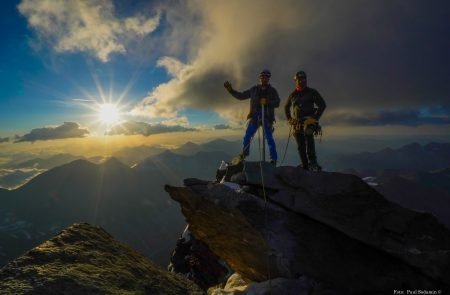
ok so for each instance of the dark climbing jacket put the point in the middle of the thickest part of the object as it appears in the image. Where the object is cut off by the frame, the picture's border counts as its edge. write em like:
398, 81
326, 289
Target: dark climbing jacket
303, 103
255, 94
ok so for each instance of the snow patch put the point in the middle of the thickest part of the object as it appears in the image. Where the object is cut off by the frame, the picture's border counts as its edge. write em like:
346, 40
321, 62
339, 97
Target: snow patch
371, 180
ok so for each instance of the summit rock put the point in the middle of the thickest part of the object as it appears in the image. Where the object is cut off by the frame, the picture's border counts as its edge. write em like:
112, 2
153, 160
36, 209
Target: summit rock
330, 227
84, 259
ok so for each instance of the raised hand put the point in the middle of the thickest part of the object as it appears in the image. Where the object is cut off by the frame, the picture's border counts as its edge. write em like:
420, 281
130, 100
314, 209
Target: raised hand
228, 86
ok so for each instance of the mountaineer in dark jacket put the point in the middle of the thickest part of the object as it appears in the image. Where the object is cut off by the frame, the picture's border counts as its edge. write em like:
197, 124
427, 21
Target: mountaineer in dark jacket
308, 107
261, 94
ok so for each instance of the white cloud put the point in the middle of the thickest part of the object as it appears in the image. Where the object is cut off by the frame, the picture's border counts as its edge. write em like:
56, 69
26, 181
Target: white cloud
172, 65
180, 121
85, 26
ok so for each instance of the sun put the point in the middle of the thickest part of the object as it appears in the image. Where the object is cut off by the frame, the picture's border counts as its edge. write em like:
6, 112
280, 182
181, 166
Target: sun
108, 113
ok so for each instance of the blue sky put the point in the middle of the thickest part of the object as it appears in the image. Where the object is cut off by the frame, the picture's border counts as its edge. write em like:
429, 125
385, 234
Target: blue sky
39, 85
376, 63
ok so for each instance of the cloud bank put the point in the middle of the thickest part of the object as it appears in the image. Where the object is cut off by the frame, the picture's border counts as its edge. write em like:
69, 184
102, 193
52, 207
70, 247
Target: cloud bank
434, 115
146, 129
221, 127
85, 26
365, 55
66, 130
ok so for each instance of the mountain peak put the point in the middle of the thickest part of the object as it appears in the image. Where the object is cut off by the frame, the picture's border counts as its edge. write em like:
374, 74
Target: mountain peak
411, 147
113, 162
286, 230
189, 144
86, 260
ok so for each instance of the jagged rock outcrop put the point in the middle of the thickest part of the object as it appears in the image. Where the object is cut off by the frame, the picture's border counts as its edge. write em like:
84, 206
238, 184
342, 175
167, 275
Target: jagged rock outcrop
193, 259
84, 259
331, 227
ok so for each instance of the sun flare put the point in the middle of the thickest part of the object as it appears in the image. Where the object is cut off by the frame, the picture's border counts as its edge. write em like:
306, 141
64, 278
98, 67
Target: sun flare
108, 113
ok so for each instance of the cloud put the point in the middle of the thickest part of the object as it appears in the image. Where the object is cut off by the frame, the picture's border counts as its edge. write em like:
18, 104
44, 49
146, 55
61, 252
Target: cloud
66, 130
356, 54
4, 139
12, 178
433, 115
146, 129
181, 121
85, 26
221, 127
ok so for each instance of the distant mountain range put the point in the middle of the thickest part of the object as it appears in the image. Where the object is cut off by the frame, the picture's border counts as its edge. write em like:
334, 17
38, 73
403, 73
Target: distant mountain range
132, 205
417, 195
414, 176
47, 163
411, 157
15, 172
129, 202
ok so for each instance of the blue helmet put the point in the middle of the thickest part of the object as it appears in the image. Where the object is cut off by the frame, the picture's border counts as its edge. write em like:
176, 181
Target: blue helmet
266, 73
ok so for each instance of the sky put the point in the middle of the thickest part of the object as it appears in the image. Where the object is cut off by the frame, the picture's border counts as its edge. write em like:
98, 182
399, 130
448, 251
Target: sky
85, 70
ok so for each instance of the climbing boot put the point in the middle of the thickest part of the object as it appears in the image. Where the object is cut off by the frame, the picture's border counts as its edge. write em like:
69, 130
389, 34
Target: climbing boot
242, 156
313, 166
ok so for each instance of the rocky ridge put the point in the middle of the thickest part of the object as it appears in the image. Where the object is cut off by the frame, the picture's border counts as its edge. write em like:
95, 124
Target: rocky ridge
331, 227
84, 259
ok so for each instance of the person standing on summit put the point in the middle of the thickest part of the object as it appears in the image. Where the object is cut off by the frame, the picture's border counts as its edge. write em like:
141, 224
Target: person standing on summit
260, 95
305, 119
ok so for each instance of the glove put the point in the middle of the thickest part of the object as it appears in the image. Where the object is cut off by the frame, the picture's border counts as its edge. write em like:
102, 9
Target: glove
310, 121
227, 85
263, 101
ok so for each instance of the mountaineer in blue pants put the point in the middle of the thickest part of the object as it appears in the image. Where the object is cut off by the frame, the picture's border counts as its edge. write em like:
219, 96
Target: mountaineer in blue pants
261, 94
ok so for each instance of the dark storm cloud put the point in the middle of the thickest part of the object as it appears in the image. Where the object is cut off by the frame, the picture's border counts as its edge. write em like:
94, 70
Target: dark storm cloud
146, 129
437, 115
222, 127
66, 130
4, 139
363, 55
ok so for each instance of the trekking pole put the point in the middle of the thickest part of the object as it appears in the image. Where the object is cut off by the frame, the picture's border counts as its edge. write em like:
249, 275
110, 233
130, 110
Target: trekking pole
287, 144
263, 135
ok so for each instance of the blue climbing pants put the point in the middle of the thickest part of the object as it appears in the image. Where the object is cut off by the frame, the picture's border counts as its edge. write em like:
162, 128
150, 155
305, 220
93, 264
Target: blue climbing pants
250, 132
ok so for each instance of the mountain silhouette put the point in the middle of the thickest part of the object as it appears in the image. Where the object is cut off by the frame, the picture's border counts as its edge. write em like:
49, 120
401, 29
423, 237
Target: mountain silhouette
130, 204
411, 157
178, 166
216, 145
188, 148
133, 155
414, 194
